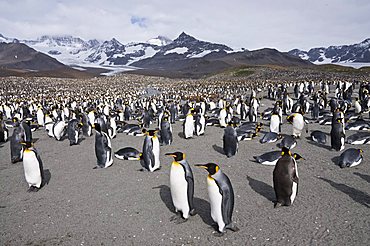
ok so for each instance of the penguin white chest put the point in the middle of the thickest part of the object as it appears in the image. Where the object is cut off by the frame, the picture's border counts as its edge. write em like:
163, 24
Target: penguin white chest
157, 163
189, 126
215, 199
275, 124
31, 167
294, 185
179, 189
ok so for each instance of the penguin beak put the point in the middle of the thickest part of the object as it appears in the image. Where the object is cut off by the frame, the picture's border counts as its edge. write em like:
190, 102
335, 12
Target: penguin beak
201, 166
170, 154
93, 125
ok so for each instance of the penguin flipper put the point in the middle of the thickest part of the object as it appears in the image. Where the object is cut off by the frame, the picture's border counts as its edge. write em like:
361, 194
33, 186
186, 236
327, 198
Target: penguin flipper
227, 205
190, 182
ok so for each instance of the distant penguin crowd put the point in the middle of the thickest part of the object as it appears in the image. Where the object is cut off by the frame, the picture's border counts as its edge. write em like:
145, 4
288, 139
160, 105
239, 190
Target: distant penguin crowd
340, 108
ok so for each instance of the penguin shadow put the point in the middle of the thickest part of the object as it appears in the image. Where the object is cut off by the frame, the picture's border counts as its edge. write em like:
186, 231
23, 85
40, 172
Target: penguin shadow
218, 149
327, 147
34, 140
47, 177
181, 135
262, 188
165, 194
202, 207
355, 194
363, 176
335, 160
80, 140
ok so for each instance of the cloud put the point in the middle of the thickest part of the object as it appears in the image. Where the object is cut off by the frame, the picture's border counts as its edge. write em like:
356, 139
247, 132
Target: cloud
284, 24
140, 21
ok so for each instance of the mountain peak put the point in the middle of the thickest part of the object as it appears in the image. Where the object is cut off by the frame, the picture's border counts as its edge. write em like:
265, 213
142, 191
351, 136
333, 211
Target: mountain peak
184, 37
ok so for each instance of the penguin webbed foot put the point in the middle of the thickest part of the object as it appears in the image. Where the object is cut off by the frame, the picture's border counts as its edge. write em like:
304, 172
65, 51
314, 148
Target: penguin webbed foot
97, 167
193, 212
33, 189
277, 204
232, 227
218, 234
176, 216
180, 220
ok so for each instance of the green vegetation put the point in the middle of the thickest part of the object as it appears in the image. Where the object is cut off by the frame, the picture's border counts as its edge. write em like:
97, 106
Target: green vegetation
242, 72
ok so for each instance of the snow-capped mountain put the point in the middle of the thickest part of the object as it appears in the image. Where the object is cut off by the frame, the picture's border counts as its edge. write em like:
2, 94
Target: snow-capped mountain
182, 48
76, 51
159, 41
344, 54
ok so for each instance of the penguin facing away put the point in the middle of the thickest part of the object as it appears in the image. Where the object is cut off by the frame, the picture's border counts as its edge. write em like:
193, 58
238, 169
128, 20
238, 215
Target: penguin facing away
285, 178
221, 196
33, 168
337, 134
73, 130
16, 148
230, 141
182, 187
103, 148
150, 154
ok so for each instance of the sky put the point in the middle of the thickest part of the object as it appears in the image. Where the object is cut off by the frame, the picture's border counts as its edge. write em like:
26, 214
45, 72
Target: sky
250, 24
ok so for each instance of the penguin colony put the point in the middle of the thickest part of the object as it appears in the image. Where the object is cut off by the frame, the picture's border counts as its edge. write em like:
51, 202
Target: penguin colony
71, 111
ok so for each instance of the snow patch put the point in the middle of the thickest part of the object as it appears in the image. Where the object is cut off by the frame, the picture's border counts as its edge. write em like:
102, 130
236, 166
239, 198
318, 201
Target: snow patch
179, 50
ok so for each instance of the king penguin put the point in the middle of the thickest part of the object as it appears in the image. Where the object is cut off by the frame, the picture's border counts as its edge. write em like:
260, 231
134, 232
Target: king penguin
297, 120
103, 148
166, 131
150, 158
230, 140
73, 130
188, 127
182, 187
33, 169
337, 133
16, 148
221, 196
285, 178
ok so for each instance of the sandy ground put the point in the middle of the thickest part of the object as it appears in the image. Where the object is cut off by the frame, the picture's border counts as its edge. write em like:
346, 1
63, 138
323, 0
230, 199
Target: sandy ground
123, 206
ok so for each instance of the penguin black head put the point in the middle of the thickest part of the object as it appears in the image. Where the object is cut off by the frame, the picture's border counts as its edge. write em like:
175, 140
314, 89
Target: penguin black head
27, 144
151, 133
178, 156
285, 151
97, 127
212, 168
290, 118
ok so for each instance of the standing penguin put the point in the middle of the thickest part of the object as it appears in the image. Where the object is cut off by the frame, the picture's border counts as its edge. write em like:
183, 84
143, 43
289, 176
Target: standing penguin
221, 196
4, 133
103, 148
200, 123
182, 186
86, 125
73, 131
275, 125
150, 158
16, 148
33, 169
230, 140
223, 117
337, 133
188, 127
297, 120
59, 130
166, 131
285, 178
